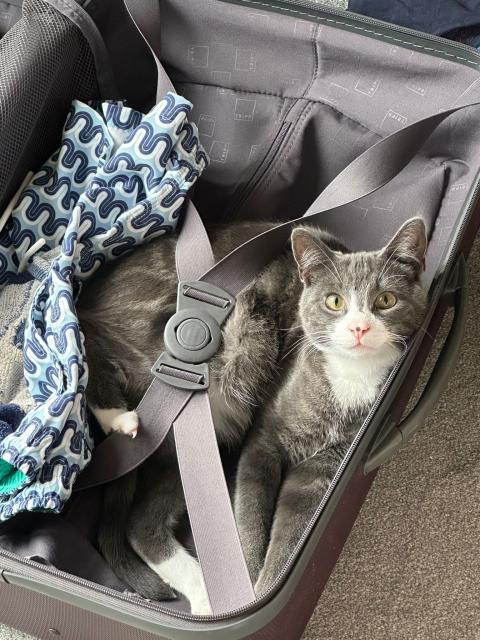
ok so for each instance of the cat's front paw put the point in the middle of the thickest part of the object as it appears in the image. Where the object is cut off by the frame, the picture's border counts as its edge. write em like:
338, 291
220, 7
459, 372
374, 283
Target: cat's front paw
118, 421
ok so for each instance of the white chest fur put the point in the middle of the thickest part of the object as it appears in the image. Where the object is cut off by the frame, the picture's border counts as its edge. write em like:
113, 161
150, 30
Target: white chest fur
356, 382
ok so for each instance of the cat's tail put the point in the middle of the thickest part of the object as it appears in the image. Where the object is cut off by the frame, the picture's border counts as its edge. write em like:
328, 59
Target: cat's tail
117, 551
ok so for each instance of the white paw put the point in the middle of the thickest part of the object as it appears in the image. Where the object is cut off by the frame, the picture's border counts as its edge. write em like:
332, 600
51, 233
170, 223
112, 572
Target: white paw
117, 420
126, 423
200, 606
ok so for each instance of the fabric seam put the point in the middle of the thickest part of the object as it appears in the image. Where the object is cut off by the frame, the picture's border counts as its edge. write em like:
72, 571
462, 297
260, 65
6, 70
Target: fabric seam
354, 26
283, 155
276, 95
265, 164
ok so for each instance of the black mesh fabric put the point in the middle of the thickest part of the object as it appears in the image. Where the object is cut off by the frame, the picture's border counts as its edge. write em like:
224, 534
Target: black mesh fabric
45, 62
10, 13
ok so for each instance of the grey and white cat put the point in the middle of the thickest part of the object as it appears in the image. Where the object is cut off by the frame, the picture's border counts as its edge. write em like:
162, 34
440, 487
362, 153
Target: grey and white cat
305, 352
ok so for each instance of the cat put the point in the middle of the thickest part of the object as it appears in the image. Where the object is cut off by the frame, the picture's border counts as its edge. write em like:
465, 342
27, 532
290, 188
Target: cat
356, 312
292, 369
122, 311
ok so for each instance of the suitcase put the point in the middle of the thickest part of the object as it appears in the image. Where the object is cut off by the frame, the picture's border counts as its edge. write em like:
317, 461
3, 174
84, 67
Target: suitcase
289, 97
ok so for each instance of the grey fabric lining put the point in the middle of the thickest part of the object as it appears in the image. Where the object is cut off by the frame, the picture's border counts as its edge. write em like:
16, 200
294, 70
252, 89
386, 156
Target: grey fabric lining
225, 58
55, 537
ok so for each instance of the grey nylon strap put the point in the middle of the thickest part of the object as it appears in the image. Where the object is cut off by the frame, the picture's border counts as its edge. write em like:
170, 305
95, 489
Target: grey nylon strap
118, 455
218, 548
145, 14
368, 172
162, 406
214, 530
193, 253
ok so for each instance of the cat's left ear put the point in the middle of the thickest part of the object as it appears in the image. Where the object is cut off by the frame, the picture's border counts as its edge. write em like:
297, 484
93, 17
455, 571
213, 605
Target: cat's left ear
310, 253
409, 244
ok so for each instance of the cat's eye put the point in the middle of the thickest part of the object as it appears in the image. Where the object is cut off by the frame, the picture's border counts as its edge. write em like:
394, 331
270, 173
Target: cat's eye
386, 300
335, 302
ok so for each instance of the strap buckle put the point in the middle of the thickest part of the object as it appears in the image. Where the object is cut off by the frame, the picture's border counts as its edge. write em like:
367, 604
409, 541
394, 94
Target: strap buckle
207, 297
183, 375
193, 335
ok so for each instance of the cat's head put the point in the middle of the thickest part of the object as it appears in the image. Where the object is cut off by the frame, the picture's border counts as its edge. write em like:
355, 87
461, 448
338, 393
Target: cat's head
364, 304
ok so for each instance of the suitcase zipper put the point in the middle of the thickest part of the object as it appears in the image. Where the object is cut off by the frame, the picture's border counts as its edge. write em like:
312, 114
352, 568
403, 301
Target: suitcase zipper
108, 594
318, 10
248, 189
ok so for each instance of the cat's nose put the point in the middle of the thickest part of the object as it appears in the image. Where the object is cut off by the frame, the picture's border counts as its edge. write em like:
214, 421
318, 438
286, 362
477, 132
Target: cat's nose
359, 329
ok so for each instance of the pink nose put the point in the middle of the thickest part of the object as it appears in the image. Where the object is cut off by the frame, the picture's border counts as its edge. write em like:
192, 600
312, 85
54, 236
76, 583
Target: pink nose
359, 330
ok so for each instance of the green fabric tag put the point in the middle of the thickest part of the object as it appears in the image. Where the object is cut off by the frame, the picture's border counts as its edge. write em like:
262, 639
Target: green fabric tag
10, 477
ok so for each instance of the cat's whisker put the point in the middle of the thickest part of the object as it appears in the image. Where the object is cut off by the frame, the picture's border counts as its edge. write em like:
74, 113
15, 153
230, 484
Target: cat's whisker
333, 264
295, 345
395, 337
294, 328
393, 256
300, 339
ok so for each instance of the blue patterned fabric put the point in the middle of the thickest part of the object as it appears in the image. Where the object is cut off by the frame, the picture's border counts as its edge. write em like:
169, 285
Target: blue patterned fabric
119, 179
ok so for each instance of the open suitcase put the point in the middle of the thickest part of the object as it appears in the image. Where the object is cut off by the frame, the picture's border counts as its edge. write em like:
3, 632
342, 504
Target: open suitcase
288, 97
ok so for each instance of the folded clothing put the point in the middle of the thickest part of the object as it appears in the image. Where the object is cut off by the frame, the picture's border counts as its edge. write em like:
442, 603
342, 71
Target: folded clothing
119, 179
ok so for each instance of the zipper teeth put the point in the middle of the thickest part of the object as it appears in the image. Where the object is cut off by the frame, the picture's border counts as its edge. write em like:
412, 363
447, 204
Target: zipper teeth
111, 593
93, 586
316, 8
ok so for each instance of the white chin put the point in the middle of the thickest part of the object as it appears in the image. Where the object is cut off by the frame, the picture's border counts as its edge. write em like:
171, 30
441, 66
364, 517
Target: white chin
363, 350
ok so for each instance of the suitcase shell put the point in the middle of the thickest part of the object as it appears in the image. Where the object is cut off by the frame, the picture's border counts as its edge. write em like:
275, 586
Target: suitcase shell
47, 603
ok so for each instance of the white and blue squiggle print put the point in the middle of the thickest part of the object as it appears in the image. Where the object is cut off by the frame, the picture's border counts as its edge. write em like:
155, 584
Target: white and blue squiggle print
119, 179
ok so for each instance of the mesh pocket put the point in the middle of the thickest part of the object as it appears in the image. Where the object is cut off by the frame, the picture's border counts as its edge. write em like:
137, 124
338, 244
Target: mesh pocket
45, 62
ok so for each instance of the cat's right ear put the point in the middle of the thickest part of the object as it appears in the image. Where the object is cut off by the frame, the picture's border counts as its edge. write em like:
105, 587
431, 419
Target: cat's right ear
309, 253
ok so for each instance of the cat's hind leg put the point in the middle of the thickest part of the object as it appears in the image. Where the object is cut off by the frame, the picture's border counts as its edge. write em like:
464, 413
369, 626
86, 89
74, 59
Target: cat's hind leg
151, 534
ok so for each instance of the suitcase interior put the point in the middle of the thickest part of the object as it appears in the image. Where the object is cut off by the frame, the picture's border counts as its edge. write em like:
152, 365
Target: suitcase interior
285, 97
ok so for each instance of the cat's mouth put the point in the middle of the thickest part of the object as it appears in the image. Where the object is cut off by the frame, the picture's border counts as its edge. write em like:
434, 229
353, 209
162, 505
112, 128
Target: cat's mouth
359, 347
